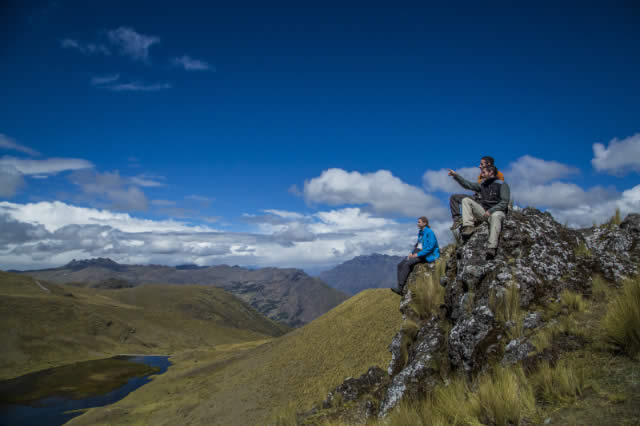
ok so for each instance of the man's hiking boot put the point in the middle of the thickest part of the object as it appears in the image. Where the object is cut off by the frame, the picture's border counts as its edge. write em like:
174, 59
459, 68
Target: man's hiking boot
456, 223
491, 253
467, 231
396, 290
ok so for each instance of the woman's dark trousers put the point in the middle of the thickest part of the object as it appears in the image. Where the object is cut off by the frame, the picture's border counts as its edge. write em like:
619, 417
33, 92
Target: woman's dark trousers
405, 267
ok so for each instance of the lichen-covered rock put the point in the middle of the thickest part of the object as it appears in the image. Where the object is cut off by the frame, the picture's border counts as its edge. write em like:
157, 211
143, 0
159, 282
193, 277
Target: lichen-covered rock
351, 389
615, 250
467, 335
532, 320
516, 350
421, 372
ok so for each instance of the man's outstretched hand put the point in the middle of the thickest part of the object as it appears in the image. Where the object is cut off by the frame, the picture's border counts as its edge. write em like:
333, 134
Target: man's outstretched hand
452, 173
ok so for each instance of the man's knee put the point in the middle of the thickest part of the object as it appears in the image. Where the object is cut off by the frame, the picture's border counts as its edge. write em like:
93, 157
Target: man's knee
497, 216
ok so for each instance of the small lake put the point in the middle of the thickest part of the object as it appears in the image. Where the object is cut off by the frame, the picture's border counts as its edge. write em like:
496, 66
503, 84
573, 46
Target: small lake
49, 397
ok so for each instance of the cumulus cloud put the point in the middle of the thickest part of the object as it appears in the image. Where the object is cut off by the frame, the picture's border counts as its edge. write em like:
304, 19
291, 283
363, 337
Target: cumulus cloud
191, 64
620, 157
44, 167
8, 143
131, 43
586, 214
56, 215
383, 192
535, 171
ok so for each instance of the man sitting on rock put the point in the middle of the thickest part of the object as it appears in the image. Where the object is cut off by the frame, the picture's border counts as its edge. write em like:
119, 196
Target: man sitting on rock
425, 250
491, 204
456, 199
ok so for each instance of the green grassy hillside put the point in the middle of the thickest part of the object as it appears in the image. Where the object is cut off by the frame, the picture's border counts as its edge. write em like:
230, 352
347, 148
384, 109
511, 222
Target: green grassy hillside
41, 329
248, 384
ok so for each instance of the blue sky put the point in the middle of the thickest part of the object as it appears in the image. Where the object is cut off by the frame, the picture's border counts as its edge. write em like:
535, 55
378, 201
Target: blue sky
302, 136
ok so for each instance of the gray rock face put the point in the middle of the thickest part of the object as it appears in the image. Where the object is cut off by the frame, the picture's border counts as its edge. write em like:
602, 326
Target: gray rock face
532, 320
466, 336
421, 371
351, 389
615, 249
516, 351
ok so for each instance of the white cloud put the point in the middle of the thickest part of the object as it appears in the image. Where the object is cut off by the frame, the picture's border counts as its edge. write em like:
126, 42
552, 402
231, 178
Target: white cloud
8, 143
132, 43
533, 171
586, 214
97, 80
191, 64
85, 48
619, 157
285, 214
48, 166
385, 193
56, 215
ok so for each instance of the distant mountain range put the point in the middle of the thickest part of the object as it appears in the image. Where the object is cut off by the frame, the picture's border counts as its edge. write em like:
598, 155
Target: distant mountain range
288, 296
363, 272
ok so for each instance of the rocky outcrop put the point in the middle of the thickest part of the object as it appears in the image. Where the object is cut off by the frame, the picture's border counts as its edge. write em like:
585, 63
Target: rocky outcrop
490, 310
615, 249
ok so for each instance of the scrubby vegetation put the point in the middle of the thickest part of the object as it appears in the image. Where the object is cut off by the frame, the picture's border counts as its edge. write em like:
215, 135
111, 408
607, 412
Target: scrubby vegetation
622, 322
506, 308
429, 294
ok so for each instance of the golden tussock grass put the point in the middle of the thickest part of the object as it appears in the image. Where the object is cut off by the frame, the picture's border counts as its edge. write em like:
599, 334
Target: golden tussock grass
562, 383
429, 294
574, 302
622, 321
506, 308
501, 397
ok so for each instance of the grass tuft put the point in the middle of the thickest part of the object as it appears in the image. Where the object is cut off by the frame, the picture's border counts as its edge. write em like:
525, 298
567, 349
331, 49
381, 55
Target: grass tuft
599, 289
622, 321
503, 397
582, 250
616, 219
506, 308
429, 294
564, 383
572, 301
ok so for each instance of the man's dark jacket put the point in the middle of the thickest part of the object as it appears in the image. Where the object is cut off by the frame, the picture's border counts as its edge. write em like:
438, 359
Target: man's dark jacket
492, 194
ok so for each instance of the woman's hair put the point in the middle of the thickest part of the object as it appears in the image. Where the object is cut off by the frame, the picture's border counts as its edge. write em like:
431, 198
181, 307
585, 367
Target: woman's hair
424, 219
489, 160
